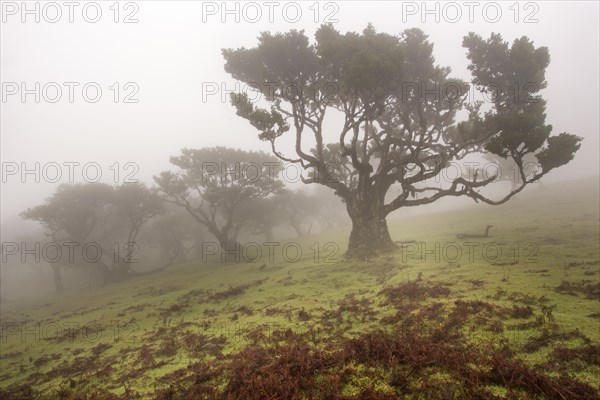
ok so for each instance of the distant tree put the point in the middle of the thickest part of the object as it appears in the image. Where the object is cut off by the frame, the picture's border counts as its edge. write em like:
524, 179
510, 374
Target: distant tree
300, 208
174, 236
72, 214
134, 205
214, 183
331, 212
108, 217
392, 125
262, 215
297, 209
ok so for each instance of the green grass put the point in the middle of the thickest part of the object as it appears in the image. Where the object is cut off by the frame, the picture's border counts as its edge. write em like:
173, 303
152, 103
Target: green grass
555, 229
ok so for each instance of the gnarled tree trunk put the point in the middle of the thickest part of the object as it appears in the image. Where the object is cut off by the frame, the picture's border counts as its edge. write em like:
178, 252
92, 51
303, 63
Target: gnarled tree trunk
370, 235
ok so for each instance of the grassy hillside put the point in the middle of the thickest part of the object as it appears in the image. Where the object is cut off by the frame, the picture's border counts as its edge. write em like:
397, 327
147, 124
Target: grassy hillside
515, 315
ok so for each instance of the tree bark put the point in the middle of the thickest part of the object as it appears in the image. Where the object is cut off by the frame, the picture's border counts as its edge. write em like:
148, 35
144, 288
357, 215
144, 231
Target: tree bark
370, 236
230, 248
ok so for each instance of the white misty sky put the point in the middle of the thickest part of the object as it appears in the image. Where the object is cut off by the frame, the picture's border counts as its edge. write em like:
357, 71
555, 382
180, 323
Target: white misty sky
171, 52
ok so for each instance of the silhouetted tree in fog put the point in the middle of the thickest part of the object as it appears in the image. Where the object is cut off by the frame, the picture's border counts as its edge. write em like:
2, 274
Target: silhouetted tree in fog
300, 208
71, 215
174, 236
392, 124
136, 204
100, 217
214, 183
263, 215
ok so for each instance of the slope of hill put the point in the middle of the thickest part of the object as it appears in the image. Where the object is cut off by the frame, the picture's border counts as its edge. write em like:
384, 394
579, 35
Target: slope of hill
514, 315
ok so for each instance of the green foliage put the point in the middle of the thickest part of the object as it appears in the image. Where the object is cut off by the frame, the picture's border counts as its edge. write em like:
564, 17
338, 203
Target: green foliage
214, 184
73, 211
513, 78
400, 128
99, 215
560, 150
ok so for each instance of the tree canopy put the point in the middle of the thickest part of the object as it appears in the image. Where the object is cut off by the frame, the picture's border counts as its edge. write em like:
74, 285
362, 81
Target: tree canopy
214, 183
395, 131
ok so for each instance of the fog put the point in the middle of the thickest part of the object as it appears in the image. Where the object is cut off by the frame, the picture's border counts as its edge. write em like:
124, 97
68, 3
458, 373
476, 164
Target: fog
336, 229
165, 66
